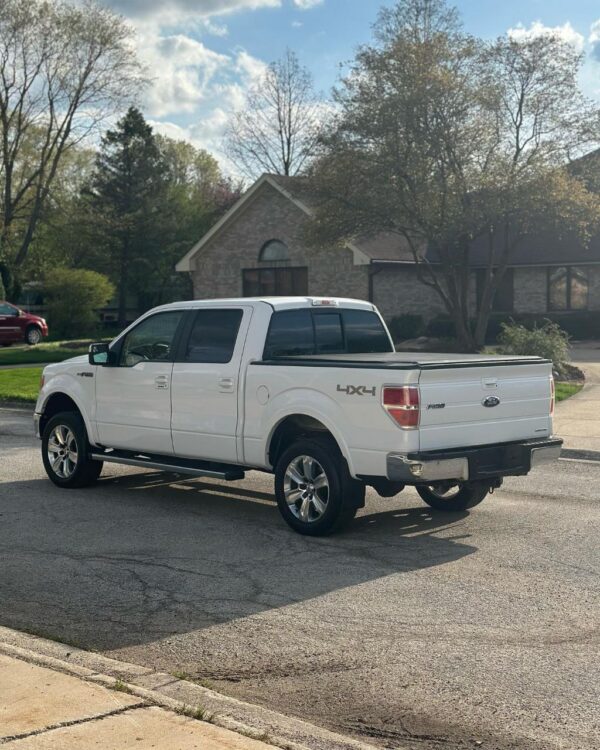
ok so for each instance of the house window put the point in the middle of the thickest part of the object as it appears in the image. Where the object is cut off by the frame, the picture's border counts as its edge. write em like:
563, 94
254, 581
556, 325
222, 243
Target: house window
275, 282
505, 294
568, 288
274, 251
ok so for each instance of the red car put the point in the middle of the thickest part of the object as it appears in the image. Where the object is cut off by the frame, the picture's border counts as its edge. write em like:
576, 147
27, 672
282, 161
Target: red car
17, 325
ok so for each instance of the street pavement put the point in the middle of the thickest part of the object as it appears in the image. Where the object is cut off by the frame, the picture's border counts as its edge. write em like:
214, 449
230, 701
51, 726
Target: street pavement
410, 629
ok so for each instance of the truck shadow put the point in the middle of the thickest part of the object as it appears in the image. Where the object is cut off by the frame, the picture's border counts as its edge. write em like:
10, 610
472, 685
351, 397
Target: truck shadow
144, 556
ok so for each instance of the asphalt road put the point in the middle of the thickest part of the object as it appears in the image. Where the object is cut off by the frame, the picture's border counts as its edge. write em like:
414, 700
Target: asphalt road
410, 630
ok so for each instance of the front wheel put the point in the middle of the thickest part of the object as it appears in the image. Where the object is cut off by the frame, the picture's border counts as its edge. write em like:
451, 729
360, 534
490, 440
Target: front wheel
65, 452
33, 336
453, 497
315, 492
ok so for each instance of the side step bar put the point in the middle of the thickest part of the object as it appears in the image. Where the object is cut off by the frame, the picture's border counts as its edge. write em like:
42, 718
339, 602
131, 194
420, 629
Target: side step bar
176, 465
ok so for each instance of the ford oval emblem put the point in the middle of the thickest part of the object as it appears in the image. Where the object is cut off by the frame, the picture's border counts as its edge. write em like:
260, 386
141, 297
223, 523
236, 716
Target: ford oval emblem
491, 401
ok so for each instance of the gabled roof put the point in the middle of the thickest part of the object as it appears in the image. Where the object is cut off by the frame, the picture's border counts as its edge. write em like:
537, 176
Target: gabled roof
296, 190
185, 263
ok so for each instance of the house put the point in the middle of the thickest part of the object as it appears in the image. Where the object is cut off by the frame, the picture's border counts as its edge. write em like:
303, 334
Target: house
258, 248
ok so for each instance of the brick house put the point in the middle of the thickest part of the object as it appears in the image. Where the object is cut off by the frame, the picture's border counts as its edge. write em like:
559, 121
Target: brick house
257, 248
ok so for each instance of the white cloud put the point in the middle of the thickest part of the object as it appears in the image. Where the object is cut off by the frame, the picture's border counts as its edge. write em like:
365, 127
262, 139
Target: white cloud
594, 39
565, 32
181, 70
173, 10
307, 4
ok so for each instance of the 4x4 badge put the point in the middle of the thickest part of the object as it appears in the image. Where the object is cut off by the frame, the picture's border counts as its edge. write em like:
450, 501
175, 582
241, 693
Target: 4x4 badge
357, 390
491, 401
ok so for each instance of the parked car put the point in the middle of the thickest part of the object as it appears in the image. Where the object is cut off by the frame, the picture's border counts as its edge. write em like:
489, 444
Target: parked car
17, 325
310, 390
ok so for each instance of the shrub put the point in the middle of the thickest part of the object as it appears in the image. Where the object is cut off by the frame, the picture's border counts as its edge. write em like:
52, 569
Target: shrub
406, 326
73, 296
548, 341
441, 327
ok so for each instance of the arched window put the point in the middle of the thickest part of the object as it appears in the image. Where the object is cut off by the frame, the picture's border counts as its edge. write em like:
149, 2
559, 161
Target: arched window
274, 251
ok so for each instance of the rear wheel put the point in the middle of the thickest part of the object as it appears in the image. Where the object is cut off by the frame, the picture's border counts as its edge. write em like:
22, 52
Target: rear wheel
453, 496
33, 335
65, 452
315, 493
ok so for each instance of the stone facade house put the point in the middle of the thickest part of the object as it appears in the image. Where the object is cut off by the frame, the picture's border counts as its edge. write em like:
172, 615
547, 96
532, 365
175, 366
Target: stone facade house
258, 248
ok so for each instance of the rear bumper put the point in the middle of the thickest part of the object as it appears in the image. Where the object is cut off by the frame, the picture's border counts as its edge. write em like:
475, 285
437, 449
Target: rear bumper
472, 463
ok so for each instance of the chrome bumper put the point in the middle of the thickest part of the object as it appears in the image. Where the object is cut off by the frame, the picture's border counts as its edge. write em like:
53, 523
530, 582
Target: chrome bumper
36, 424
477, 463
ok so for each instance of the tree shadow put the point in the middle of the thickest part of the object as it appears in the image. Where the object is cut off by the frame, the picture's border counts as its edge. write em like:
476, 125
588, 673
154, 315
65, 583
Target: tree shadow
143, 556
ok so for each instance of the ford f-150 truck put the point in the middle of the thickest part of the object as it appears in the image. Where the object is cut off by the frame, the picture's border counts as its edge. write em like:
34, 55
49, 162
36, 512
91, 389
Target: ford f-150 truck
310, 390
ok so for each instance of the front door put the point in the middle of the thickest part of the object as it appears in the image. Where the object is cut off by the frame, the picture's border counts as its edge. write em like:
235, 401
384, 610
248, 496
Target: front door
205, 391
10, 327
133, 399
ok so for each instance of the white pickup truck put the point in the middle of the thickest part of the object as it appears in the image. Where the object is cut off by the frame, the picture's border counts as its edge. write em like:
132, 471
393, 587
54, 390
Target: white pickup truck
310, 390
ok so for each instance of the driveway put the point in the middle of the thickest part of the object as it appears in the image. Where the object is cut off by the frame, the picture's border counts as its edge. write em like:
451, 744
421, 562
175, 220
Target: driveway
410, 630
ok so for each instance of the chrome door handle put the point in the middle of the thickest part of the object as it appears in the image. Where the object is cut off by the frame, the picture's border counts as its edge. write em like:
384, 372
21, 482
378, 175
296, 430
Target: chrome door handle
226, 385
161, 381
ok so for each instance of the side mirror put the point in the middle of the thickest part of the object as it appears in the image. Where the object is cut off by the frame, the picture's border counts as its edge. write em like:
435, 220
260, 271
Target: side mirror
99, 354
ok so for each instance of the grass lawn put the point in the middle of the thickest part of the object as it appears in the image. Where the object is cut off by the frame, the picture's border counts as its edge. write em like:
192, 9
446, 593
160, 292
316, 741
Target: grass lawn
56, 351
566, 390
22, 384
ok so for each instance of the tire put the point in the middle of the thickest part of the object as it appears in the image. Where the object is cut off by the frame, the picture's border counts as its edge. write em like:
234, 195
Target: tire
321, 506
65, 436
453, 498
33, 336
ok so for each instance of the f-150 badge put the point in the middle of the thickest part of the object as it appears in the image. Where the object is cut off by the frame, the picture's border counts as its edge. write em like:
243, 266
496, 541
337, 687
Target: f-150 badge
357, 390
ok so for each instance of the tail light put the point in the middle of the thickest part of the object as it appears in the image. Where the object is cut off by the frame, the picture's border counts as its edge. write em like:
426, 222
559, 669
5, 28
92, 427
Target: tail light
42, 381
552, 396
402, 404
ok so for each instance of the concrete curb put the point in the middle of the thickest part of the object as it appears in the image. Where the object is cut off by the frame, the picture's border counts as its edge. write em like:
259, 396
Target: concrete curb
166, 691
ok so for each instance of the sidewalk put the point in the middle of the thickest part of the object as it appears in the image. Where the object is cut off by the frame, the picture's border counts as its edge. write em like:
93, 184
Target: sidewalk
59, 697
42, 709
577, 420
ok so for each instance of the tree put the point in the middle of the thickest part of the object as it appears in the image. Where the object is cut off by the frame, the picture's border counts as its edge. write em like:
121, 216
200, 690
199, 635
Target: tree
277, 131
127, 201
64, 67
448, 141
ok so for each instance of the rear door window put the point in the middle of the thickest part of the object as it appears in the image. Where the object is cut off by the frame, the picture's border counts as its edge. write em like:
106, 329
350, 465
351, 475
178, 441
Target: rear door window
213, 336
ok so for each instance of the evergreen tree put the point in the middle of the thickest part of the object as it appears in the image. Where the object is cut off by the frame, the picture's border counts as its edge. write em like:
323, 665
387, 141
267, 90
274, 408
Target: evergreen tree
127, 202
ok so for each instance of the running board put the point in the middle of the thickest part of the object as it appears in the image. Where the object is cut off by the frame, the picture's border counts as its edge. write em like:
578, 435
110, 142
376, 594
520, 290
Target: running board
177, 465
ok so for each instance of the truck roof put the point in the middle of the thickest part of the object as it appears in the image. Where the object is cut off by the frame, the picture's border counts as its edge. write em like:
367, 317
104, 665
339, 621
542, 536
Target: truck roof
277, 303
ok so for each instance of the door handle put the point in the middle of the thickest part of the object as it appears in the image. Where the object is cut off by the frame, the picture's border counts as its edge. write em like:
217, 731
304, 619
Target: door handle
162, 381
226, 385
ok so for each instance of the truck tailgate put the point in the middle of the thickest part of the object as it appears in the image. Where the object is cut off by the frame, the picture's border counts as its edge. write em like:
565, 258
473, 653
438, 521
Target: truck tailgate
487, 403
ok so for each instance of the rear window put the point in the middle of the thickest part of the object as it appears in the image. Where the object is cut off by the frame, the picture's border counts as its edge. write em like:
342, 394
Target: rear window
307, 332
329, 335
364, 333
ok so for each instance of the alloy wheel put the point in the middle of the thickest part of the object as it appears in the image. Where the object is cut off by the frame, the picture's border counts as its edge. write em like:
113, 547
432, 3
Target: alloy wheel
306, 489
62, 451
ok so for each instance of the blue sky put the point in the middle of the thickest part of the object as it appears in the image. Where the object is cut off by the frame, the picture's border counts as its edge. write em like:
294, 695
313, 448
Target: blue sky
203, 54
